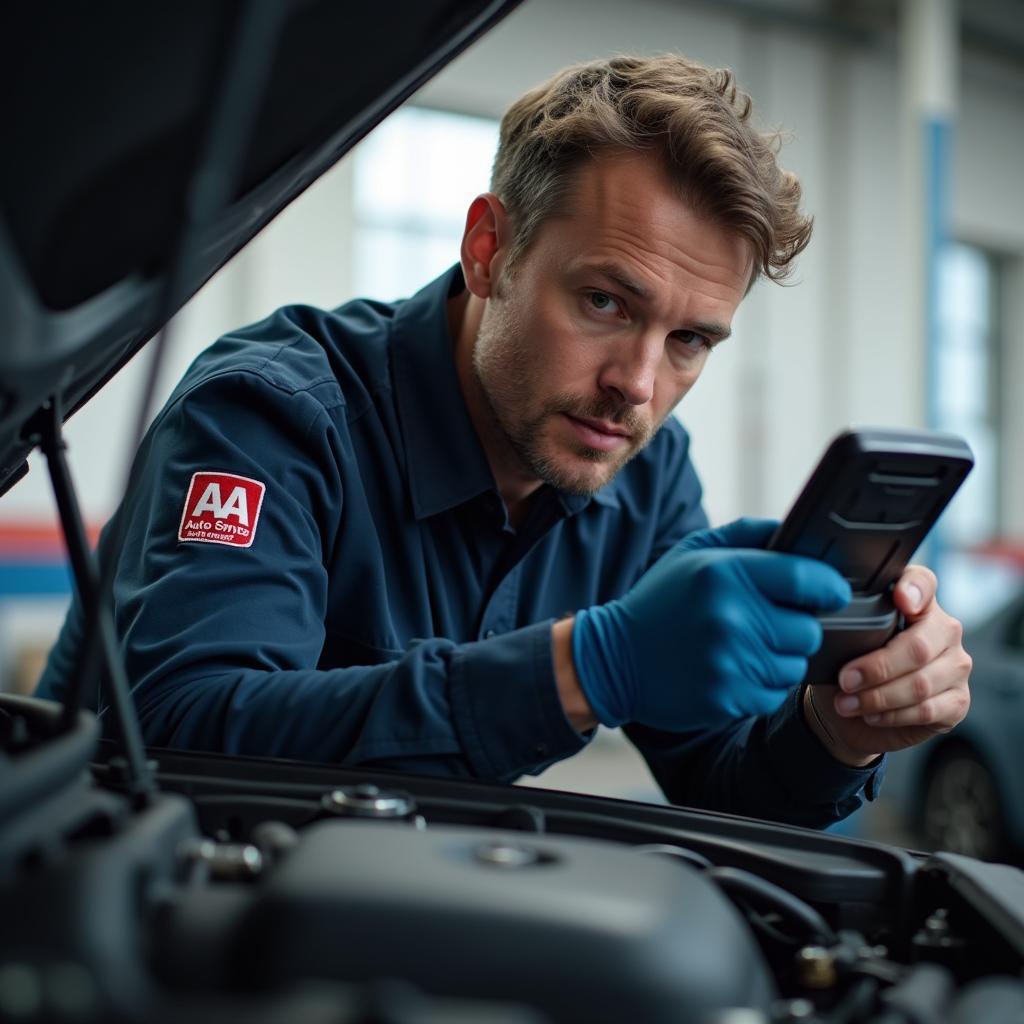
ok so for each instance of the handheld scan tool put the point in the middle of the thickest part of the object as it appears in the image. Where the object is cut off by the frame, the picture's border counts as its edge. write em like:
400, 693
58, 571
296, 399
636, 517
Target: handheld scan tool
866, 508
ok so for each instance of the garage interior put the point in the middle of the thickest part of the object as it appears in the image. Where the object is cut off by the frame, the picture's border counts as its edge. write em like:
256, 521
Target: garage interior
905, 122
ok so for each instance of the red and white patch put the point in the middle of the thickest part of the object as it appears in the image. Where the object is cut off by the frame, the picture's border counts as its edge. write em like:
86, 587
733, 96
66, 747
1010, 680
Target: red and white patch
221, 508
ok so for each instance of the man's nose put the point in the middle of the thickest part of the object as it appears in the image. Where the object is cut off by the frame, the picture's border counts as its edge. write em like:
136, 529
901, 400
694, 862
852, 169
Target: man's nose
631, 370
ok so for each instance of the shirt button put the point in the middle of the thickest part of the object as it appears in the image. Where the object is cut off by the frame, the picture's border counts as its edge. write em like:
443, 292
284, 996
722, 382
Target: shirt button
490, 634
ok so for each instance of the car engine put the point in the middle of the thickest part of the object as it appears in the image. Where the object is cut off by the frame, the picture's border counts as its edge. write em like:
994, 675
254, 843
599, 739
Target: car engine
262, 890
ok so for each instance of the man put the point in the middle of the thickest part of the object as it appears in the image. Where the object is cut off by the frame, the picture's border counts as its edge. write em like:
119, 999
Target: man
447, 534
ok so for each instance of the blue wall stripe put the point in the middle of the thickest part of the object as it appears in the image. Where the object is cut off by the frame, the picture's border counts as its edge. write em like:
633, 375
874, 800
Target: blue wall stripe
938, 134
938, 138
34, 579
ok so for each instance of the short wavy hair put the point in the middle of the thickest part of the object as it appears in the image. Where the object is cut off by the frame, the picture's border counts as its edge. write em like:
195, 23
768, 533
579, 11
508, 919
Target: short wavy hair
694, 117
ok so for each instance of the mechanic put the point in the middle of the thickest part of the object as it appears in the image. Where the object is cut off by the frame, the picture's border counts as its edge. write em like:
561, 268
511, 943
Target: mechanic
454, 534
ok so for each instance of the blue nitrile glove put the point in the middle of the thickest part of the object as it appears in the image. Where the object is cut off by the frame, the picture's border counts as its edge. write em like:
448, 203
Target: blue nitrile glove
715, 630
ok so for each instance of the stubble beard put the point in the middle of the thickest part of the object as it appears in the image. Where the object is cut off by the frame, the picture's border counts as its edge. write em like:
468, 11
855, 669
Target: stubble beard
508, 383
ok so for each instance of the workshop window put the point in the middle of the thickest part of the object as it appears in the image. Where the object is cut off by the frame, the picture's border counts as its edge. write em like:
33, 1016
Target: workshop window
415, 176
966, 384
966, 402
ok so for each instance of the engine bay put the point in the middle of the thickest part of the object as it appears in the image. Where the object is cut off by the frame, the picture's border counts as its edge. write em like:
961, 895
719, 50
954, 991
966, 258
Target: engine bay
182, 888
248, 889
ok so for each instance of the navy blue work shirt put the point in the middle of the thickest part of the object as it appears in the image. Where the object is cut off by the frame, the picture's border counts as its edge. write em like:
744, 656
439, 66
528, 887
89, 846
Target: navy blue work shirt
318, 565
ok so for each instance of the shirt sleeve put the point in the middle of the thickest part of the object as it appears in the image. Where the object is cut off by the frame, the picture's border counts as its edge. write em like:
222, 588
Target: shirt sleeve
770, 767
222, 640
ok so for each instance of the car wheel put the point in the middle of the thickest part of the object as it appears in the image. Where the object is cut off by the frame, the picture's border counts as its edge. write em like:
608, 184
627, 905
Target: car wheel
962, 811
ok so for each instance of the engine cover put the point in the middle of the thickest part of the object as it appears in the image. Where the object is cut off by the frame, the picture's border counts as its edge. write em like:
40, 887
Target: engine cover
582, 929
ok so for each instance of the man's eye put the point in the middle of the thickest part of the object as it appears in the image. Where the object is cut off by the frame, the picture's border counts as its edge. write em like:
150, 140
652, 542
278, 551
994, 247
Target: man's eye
602, 302
692, 341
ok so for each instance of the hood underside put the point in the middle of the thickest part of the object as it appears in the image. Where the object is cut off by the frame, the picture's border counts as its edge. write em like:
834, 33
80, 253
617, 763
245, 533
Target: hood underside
147, 143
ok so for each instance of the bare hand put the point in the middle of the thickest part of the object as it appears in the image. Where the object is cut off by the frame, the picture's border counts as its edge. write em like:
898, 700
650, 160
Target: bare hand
905, 692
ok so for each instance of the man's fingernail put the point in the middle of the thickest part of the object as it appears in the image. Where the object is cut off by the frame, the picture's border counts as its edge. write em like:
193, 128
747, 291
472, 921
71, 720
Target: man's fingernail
845, 705
850, 679
872, 719
915, 596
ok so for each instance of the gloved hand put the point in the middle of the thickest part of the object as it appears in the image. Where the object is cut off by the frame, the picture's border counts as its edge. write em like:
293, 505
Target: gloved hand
715, 630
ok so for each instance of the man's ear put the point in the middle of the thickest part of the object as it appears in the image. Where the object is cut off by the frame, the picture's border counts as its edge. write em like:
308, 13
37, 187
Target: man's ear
484, 244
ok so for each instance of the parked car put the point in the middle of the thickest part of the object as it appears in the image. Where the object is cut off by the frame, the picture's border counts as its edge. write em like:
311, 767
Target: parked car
145, 144
964, 791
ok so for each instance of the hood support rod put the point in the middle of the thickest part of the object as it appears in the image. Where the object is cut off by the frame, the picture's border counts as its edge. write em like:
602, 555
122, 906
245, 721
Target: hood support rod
99, 657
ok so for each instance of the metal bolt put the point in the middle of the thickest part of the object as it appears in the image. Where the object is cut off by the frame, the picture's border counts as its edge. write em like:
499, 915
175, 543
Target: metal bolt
225, 862
368, 801
816, 967
872, 952
506, 855
799, 1009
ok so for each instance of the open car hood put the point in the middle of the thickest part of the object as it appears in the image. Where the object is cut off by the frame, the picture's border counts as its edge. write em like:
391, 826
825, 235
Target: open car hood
122, 193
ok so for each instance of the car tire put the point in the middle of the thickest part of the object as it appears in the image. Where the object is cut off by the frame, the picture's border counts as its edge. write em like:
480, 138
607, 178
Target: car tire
961, 808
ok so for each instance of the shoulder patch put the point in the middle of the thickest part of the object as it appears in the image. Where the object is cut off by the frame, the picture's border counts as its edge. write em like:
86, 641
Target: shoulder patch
221, 508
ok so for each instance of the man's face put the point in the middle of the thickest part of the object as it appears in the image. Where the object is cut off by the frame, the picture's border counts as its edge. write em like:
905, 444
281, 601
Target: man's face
605, 323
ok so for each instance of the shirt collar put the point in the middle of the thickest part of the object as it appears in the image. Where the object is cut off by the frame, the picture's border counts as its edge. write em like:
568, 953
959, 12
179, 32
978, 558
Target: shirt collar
573, 503
446, 463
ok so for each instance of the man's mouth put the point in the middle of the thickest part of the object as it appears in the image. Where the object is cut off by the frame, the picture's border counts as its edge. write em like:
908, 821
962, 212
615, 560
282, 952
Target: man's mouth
599, 434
